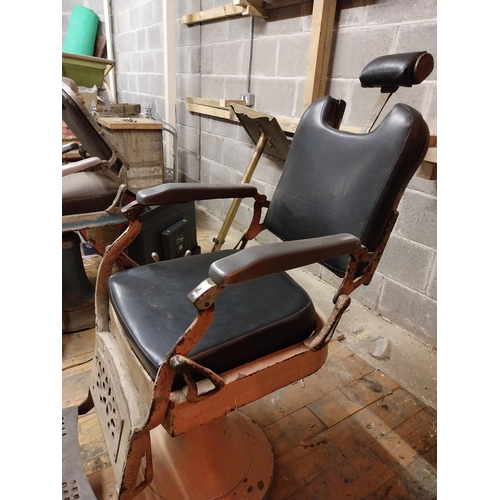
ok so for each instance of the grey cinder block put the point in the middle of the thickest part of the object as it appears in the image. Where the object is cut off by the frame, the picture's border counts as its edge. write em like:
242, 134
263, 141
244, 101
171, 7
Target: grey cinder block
355, 48
189, 163
189, 138
211, 147
236, 154
417, 219
431, 290
274, 95
411, 310
407, 262
265, 56
292, 55
395, 11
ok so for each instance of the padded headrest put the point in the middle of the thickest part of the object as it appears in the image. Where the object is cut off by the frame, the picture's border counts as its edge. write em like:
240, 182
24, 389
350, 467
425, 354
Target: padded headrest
340, 182
397, 70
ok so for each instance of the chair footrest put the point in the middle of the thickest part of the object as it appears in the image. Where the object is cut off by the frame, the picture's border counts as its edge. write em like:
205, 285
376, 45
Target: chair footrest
75, 484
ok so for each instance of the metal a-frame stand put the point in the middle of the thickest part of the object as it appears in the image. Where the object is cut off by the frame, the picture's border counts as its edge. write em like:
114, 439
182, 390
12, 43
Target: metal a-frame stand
269, 138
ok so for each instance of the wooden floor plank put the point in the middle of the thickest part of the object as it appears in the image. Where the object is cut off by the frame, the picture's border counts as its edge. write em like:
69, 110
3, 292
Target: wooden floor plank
420, 477
347, 432
303, 465
77, 368
334, 407
75, 388
95, 457
77, 344
410, 439
384, 415
355, 474
370, 388
344, 371
336, 351
394, 489
288, 432
103, 484
89, 429
342, 368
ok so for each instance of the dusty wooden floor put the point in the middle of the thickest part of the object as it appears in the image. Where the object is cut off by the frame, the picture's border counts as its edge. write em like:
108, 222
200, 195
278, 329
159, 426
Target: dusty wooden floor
346, 432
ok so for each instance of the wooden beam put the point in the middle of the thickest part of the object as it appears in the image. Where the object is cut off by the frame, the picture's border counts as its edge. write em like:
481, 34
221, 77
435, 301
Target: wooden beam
237, 8
259, 4
253, 8
228, 10
212, 107
213, 111
224, 103
278, 4
320, 45
203, 101
214, 103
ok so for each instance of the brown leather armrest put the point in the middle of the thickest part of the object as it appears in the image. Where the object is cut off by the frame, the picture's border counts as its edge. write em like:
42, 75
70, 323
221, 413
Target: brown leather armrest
191, 191
262, 260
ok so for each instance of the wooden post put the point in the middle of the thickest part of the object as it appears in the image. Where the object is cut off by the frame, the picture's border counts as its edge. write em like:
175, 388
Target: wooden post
320, 46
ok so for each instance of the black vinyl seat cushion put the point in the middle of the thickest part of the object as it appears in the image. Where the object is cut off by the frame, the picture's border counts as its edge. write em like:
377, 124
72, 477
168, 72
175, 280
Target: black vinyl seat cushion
87, 192
251, 319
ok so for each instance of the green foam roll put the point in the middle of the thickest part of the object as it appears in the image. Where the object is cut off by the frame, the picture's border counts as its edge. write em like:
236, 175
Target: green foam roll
82, 30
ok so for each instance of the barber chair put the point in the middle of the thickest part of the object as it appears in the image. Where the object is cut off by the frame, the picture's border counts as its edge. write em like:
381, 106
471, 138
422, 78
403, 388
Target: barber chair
182, 344
93, 192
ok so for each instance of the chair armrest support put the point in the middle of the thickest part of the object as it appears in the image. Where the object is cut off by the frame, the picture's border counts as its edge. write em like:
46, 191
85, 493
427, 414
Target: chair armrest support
263, 260
191, 191
79, 166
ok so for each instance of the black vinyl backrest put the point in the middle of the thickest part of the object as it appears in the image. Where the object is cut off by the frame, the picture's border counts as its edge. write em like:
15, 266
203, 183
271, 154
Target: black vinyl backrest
340, 182
87, 131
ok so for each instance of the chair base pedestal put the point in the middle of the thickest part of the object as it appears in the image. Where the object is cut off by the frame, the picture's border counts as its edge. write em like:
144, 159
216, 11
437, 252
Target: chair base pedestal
77, 290
229, 457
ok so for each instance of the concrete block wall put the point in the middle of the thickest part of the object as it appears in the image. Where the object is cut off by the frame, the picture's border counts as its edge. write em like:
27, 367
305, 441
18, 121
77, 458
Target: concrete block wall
138, 51
269, 59
404, 289
224, 58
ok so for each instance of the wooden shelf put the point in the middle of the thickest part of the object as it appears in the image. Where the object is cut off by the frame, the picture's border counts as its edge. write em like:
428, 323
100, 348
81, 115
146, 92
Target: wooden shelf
131, 123
212, 107
234, 9
219, 108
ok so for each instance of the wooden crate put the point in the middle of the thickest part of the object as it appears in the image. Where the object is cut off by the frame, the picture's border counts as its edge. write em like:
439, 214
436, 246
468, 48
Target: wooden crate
141, 142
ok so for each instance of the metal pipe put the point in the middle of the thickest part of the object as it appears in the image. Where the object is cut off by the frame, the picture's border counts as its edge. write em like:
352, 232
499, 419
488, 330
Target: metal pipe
169, 54
109, 50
